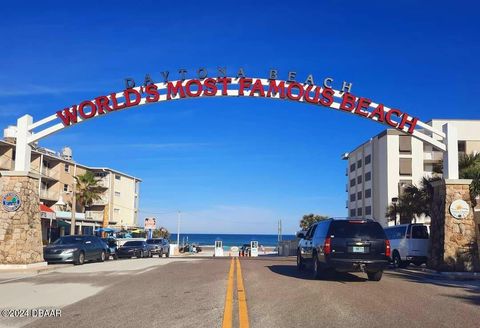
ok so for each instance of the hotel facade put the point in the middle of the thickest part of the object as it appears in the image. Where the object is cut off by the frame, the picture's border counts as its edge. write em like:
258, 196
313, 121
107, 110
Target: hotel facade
117, 207
379, 169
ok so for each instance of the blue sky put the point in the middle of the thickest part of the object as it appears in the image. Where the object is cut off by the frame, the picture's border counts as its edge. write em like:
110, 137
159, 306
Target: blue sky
236, 165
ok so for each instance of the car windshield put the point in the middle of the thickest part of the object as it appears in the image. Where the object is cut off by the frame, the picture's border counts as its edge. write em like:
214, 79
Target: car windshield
357, 229
154, 241
69, 240
133, 243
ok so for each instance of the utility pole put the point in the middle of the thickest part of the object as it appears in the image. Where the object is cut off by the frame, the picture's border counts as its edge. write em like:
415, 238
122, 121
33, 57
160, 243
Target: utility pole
74, 208
279, 231
178, 228
74, 202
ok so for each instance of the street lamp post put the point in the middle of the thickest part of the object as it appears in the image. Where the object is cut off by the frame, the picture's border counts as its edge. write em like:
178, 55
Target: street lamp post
178, 228
395, 203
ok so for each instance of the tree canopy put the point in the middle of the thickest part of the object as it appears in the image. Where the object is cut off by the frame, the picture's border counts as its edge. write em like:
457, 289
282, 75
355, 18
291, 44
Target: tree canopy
309, 219
88, 189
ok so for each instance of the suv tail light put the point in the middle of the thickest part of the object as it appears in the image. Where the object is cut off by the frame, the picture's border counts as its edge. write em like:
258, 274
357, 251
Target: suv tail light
327, 249
388, 251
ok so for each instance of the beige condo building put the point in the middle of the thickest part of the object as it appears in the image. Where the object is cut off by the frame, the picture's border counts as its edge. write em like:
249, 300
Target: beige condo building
118, 205
379, 169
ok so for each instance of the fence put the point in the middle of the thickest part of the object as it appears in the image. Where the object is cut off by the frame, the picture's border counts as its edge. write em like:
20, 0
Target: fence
288, 247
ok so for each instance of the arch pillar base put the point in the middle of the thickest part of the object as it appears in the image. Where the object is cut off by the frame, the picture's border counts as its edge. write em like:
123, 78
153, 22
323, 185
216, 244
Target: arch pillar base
454, 243
20, 231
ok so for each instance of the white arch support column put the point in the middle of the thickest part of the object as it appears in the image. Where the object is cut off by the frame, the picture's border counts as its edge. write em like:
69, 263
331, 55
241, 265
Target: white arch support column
23, 150
450, 156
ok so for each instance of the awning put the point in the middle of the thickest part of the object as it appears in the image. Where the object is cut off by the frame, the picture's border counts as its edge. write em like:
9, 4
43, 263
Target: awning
105, 230
63, 224
46, 212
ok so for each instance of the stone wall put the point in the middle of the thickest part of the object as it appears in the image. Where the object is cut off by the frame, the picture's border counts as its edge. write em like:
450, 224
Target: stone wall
20, 231
453, 242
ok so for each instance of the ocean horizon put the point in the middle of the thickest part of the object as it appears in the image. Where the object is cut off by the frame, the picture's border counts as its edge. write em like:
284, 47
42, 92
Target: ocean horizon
205, 239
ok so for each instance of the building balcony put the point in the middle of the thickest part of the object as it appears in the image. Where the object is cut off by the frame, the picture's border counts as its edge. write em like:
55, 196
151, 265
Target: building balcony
50, 174
48, 194
94, 215
6, 164
101, 202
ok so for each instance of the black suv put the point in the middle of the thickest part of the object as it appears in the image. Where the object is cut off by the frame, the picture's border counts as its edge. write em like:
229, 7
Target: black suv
344, 245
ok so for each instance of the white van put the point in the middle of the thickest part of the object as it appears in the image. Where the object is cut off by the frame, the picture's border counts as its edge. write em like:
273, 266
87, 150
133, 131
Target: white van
409, 244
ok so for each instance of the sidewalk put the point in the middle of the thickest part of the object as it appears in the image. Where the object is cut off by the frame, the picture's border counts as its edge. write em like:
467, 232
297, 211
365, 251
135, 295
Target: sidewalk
16, 274
433, 274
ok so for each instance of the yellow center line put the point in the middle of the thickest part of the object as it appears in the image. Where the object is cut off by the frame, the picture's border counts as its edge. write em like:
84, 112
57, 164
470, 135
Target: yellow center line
228, 310
242, 299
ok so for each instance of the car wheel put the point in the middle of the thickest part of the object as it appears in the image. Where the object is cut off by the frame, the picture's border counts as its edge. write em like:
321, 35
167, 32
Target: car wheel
375, 276
397, 261
167, 254
300, 264
317, 270
103, 256
80, 259
115, 256
141, 255
150, 254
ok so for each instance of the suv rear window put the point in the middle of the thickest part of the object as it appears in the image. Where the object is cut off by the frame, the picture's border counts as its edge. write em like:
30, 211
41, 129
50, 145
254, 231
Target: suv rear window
346, 229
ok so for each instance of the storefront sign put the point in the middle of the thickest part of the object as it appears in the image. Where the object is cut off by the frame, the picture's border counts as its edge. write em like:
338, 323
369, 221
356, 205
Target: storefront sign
11, 202
220, 85
150, 224
459, 209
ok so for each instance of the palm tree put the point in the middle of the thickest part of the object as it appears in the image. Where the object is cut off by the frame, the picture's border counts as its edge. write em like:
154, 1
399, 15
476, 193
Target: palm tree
88, 190
414, 201
469, 168
417, 201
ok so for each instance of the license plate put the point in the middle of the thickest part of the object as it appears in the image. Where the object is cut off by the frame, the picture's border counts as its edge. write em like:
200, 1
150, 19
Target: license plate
358, 249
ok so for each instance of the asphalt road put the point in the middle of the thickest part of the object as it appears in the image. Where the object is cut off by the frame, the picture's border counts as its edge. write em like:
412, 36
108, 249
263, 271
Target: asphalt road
193, 293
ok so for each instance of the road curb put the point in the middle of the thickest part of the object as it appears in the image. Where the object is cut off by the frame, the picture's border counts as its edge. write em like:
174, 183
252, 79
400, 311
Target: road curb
448, 275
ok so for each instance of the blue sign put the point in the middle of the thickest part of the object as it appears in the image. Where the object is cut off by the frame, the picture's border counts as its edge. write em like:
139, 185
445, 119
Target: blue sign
11, 202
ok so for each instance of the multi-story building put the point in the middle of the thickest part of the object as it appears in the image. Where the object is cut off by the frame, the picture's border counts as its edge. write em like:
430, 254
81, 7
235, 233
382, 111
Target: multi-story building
381, 167
117, 207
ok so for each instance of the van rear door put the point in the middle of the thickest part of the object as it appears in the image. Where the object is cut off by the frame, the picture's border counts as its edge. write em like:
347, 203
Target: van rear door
357, 239
418, 240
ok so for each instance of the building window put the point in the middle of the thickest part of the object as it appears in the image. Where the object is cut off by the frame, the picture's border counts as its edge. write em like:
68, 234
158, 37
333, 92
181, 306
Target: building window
352, 167
352, 213
368, 210
405, 167
368, 159
359, 179
117, 193
352, 182
405, 144
117, 177
67, 168
352, 197
368, 176
359, 211
65, 187
116, 210
359, 195
462, 148
368, 193
359, 164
